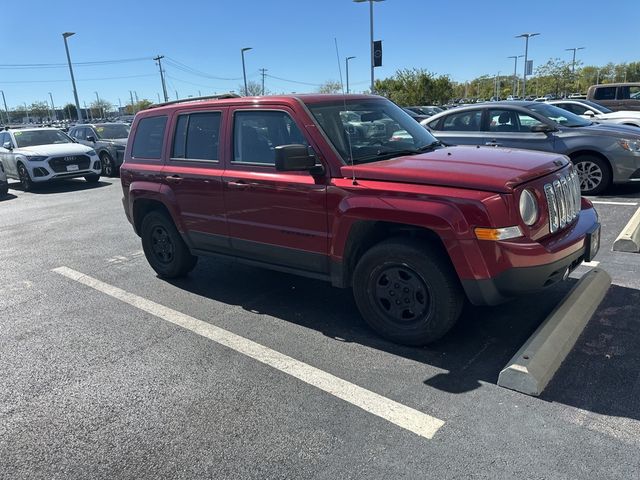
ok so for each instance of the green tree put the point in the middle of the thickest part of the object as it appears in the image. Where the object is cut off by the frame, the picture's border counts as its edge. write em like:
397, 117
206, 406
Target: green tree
70, 111
330, 86
100, 109
38, 111
415, 87
136, 107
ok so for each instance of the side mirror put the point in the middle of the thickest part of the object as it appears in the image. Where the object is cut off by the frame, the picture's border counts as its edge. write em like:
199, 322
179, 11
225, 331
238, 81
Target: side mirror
7, 145
295, 158
543, 129
91, 139
589, 113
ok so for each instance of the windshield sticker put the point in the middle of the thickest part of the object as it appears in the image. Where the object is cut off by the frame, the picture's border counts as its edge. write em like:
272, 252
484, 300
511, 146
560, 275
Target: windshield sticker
17, 134
100, 129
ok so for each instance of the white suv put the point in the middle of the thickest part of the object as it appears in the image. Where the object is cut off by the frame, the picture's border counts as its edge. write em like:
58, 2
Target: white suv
35, 155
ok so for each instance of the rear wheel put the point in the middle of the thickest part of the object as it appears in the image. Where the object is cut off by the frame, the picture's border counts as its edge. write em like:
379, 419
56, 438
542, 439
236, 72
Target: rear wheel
164, 247
407, 292
25, 179
594, 174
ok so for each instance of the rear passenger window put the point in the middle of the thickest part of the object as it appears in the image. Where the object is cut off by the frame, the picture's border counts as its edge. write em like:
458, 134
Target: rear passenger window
463, 122
197, 136
257, 134
149, 135
605, 93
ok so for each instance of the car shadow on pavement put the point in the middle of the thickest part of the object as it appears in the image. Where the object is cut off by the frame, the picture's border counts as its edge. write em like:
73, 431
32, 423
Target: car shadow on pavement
602, 372
7, 197
61, 186
630, 191
475, 350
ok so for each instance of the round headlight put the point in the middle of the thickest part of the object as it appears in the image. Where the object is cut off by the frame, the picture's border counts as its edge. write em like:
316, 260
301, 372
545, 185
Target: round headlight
528, 207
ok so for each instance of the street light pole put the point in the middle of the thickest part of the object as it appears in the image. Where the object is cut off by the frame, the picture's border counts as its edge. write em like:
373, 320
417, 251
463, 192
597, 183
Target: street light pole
514, 88
371, 36
53, 108
66, 35
573, 62
244, 71
526, 36
347, 69
6, 110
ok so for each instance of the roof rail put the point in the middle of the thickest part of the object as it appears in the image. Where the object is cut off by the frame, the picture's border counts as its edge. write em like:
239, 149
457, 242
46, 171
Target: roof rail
222, 96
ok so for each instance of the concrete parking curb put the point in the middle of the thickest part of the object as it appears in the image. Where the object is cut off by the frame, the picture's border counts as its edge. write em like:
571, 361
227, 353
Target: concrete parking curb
629, 238
536, 362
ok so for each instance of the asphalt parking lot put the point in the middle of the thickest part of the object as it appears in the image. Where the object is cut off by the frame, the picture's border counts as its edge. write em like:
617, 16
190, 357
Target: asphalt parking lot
99, 380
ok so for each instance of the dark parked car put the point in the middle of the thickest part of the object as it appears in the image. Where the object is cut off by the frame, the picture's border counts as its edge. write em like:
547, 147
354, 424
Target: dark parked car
616, 96
108, 139
603, 154
428, 110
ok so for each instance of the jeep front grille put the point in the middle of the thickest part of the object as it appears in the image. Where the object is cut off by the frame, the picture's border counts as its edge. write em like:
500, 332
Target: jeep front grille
563, 201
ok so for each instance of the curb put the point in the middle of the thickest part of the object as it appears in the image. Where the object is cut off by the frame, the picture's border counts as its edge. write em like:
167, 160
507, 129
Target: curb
629, 238
537, 361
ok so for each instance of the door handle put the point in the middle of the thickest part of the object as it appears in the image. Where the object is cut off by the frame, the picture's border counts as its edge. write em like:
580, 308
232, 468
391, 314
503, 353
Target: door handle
241, 184
173, 178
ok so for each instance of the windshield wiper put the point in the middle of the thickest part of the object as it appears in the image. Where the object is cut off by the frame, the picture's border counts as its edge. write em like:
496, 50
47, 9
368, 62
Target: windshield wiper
386, 154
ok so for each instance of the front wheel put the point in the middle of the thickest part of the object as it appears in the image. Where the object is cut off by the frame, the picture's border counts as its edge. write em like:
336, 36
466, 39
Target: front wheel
407, 292
108, 166
594, 174
4, 189
164, 248
25, 178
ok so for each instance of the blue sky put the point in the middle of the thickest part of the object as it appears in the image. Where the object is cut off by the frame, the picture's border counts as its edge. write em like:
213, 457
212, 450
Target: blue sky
292, 39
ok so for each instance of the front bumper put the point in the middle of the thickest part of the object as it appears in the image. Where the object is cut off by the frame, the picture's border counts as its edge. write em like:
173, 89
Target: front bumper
528, 267
46, 171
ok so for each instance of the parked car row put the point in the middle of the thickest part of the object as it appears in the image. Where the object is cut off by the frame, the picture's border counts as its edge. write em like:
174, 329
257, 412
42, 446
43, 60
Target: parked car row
603, 154
43, 154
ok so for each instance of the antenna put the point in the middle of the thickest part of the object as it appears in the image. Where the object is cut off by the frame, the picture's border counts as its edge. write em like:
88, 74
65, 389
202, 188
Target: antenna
344, 99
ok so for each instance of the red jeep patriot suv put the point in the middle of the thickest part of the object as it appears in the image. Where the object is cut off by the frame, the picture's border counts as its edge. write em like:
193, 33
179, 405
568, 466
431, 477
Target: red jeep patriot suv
352, 190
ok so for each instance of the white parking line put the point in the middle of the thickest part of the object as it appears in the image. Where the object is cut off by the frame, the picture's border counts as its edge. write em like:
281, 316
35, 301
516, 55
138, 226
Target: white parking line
601, 202
390, 410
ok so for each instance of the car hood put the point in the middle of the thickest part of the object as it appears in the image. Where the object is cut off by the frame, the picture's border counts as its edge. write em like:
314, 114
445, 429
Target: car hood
620, 114
478, 168
607, 129
115, 141
54, 149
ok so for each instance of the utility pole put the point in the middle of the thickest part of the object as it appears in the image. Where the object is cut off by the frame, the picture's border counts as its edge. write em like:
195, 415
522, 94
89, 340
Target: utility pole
164, 87
177, 95
346, 61
263, 71
53, 108
516, 83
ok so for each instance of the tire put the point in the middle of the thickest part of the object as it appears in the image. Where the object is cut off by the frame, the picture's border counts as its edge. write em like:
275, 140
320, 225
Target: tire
164, 247
108, 166
594, 174
4, 189
25, 179
95, 178
415, 274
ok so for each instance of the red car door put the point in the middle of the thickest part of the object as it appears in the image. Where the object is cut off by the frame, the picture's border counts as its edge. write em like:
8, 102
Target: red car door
273, 217
193, 174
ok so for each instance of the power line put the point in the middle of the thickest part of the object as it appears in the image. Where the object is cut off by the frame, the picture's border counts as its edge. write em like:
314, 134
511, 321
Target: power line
294, 81
192, 71
19, 66
80, 79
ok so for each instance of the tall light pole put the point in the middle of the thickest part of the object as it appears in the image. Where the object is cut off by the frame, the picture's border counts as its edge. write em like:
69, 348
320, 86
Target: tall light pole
6, 110
26, 110
66, 35
244, 71
514, 88
573, 62
497, 87
98, 103
526, 36
371, 35
53, 107
347, 63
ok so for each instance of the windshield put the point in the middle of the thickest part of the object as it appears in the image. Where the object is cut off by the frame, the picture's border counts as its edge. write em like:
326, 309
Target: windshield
370, 130
601, 108
115, 130
32, 138
558, 115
